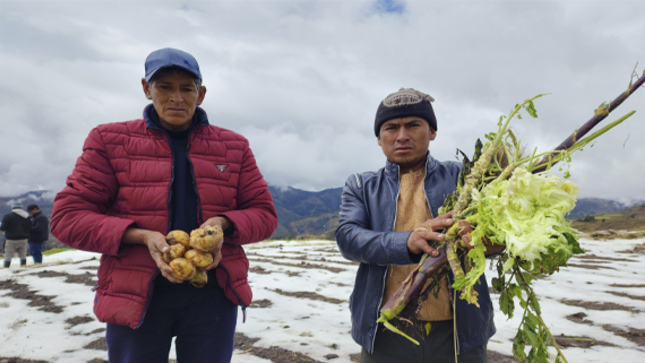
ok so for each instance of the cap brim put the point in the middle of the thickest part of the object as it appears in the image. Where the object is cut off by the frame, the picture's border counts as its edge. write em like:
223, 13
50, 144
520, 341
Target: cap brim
153, 72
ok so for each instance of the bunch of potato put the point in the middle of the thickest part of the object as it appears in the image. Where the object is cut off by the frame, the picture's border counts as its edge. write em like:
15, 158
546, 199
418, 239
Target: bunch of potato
188, 254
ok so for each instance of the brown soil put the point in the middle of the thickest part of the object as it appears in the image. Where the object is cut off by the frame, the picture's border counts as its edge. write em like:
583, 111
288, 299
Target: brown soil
637, 249
98, 344
309, 295
259, 256
273, 353
78, 320
579, 318
20, 360
623, 285
97, 360
494, 357
264, 303
633, 335
303, 264
89, 279
598, 306
261, 271
350, 263
301, 257
20, 291
338, 284
327, 250
590, 267
566, 341
633, 297
602, 258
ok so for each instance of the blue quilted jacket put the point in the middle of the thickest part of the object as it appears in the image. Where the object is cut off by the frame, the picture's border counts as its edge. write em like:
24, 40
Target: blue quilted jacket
366, 234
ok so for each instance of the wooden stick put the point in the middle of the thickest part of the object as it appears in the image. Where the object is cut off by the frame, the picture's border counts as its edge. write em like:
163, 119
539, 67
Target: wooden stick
600, 114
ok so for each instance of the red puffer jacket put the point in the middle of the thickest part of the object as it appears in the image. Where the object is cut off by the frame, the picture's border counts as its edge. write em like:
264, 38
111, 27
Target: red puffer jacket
122, 180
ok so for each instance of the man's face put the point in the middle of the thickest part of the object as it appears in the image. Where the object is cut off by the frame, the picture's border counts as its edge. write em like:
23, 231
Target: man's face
405, 141
34, 211
175, 96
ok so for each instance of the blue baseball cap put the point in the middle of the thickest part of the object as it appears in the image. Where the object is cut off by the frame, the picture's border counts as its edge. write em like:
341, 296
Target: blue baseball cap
169, 57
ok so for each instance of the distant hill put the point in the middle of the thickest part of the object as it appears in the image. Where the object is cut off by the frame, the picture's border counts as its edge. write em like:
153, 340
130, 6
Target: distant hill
306, 213
315, 214
630, 219
595, 206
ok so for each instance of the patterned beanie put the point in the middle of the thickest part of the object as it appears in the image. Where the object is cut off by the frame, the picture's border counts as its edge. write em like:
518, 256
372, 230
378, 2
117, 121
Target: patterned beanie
406, 102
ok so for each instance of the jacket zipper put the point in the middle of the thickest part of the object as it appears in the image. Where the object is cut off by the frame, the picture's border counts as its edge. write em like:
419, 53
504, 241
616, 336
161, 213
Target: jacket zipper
396, 212
172, 180
200, 215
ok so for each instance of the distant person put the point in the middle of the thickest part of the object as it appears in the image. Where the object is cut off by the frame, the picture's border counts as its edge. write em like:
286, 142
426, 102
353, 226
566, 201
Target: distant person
387, 220
39, 233
16, 226
138, 180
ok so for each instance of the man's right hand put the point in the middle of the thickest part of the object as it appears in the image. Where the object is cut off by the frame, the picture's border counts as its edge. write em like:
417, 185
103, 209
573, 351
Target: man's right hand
418, 240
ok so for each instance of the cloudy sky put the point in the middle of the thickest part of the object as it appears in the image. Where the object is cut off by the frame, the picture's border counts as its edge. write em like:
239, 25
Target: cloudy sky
302, 79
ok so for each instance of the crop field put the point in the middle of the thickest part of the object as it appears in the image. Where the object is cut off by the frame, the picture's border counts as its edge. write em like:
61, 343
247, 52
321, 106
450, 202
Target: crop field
595, 307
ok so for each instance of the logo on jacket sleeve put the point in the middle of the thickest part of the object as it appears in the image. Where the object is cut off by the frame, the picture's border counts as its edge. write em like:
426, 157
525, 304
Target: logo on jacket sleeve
221, 167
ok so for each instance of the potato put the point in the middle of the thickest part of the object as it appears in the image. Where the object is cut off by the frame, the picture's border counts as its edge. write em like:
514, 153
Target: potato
175, 251
178, 236
200, 279
198, 258
182, 269
207, 239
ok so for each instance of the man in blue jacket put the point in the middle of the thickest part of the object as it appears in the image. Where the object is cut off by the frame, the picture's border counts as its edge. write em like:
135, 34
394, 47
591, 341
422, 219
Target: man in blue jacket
380, 216
39, 233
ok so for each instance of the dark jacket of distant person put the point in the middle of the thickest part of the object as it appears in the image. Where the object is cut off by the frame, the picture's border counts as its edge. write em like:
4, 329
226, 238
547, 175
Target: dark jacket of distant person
39, 232
16, 225
369, 206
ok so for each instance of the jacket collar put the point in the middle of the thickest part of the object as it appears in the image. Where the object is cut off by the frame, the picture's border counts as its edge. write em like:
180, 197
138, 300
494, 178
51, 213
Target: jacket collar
150, 116
392, 170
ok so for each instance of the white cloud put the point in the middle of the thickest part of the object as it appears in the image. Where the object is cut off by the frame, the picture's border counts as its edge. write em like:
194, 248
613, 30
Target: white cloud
302, 79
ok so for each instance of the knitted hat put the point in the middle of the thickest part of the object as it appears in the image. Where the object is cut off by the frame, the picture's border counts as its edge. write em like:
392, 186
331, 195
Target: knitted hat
32, 207
406, 102
16, 205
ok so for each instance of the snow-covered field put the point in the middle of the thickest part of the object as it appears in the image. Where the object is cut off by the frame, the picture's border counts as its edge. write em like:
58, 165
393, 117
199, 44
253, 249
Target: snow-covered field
300, 306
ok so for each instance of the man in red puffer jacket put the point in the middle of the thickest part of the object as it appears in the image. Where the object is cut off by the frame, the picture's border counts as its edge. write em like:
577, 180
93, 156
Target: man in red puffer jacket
136, 181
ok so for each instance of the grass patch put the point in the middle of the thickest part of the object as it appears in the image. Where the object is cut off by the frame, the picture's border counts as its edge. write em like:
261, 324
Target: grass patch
56, 250
607, 216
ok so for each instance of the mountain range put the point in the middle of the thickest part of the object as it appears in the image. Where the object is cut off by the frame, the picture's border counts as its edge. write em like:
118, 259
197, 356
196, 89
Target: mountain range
308, 214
